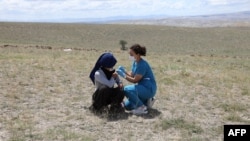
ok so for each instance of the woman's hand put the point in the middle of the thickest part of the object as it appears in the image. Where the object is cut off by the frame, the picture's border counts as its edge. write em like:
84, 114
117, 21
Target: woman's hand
122, 69
122, 74
134, 79
114, 75
121, 86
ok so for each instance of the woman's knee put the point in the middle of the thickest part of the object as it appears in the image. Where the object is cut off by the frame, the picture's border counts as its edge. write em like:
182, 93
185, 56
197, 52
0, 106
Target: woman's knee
129, 90
144, 93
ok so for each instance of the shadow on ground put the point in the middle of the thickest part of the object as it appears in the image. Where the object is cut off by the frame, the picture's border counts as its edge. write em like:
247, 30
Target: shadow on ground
152, 113
124, 115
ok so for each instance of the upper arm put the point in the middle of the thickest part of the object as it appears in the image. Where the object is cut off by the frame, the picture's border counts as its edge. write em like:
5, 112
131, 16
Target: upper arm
103, 80
137, 78
140, 72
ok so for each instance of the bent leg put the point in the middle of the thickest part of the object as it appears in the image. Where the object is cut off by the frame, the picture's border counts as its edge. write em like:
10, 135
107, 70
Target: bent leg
117, 97
132, 94
101, 98
144, 94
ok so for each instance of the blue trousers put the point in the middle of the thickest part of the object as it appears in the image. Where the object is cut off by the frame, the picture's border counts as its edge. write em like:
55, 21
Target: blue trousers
137, 95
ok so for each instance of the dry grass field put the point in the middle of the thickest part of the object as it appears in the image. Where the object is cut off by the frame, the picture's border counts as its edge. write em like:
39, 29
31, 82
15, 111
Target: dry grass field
45, 93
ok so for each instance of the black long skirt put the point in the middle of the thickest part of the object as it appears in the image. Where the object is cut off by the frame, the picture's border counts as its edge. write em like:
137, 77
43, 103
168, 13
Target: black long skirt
106, 97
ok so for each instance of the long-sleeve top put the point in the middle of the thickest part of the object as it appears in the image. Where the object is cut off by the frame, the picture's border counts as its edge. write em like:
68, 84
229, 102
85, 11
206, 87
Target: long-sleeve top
101, 79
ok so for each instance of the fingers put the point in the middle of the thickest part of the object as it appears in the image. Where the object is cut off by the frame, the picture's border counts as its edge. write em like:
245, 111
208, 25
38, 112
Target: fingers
122, 74
122, 69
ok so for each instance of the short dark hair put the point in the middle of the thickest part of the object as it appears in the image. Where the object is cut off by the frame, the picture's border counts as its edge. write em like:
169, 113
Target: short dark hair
138, 49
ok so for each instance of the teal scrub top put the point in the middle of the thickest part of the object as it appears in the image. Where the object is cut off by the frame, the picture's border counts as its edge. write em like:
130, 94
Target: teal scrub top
143, 68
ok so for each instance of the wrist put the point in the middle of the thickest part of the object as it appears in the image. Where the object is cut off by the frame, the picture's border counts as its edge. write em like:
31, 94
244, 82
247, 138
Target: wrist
120, 82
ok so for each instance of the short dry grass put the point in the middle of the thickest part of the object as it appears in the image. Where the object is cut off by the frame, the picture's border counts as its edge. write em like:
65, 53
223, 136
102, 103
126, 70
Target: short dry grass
45, 95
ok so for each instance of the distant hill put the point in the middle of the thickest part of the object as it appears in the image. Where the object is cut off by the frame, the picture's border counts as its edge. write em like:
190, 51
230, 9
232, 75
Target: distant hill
219, 20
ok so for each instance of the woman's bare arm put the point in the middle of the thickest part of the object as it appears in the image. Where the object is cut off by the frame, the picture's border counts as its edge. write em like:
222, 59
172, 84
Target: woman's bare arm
134, 79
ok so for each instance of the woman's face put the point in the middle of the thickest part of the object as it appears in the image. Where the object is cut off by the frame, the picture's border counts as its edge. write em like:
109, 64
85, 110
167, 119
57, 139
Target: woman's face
132, 53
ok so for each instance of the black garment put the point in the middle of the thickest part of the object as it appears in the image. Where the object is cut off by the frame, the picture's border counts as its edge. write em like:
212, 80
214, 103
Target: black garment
107, 73
105, 96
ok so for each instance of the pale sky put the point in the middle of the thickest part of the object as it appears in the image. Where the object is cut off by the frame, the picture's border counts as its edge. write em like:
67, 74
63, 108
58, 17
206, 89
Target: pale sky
46, 10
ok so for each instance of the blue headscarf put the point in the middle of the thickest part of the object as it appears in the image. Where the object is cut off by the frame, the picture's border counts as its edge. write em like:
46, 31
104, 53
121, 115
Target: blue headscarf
106, 60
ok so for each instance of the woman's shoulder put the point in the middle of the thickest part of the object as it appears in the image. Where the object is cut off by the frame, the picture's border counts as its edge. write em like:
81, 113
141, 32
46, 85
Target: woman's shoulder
143, 62
99, 72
